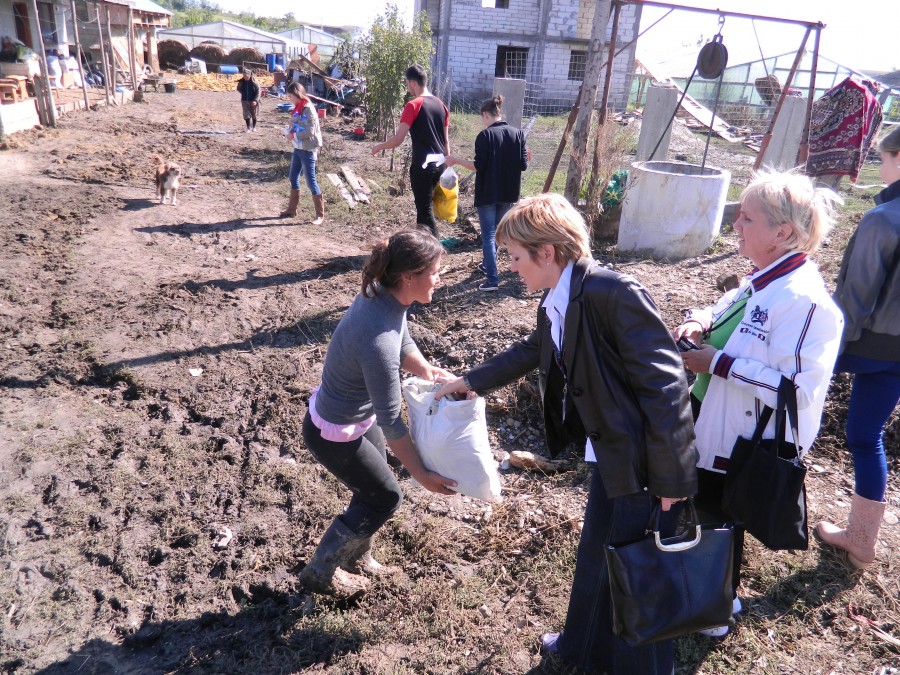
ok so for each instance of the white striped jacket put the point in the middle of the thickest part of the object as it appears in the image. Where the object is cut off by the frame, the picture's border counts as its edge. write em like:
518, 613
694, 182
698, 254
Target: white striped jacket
790, 327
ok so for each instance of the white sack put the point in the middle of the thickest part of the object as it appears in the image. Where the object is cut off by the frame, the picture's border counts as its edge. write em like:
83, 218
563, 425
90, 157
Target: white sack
452, 439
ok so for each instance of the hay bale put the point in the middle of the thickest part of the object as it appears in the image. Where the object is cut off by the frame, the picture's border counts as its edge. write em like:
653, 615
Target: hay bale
236, 57
172, 53
211, 53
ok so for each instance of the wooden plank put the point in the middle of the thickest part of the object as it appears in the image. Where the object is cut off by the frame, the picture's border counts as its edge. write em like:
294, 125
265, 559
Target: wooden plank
701, 113
339, 184
354, 180
324, 100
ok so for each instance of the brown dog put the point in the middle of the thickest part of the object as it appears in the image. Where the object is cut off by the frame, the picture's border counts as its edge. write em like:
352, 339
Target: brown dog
167, 176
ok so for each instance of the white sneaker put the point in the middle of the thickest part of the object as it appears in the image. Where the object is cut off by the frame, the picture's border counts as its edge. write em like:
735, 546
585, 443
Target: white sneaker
722, 631
717, 632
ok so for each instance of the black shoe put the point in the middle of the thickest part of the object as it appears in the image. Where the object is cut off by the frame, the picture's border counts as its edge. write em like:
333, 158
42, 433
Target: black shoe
482, 268
488, 286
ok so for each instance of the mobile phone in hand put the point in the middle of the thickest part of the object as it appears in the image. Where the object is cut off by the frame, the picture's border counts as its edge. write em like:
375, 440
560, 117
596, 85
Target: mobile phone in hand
685, 344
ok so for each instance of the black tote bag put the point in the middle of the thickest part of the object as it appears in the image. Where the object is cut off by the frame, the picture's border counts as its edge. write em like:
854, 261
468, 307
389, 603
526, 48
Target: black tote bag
664, 588
765, 488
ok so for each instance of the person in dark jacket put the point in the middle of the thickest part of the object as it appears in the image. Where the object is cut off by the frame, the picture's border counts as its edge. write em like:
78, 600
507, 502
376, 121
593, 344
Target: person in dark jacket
611, 382
427, 122
500, 159
868, 292
249, 90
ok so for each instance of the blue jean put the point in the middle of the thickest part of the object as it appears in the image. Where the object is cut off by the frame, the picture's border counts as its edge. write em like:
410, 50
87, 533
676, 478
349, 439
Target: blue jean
362, 466
587, 641
488, 217
304, 162
876, 391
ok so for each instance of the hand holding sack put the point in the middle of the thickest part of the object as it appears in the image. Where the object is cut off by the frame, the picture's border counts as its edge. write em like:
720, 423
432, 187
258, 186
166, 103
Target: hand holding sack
446, 196
452, 440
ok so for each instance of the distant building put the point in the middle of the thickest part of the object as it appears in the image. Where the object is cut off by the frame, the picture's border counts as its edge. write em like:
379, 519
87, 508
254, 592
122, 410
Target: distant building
544, 42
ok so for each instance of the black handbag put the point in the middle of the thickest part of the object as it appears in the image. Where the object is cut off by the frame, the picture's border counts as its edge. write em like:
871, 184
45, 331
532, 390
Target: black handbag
664, 588
765, 489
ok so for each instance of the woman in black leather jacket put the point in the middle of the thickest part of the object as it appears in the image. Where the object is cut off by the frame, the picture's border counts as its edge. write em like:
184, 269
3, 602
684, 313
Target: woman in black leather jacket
612, 382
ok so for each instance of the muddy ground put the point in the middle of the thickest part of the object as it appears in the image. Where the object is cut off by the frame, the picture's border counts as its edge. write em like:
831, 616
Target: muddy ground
156, 362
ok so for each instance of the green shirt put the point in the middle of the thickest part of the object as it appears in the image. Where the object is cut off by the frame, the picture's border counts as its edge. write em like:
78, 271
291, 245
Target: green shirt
719, 332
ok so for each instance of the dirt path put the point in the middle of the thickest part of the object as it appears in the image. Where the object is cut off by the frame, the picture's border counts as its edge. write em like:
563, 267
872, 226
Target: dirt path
155, 362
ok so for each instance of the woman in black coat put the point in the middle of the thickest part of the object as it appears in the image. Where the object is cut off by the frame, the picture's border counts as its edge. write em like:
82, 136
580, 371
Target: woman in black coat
611, 382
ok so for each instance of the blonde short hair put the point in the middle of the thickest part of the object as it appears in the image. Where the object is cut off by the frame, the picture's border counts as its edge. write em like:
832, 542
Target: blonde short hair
546, 219
793, 198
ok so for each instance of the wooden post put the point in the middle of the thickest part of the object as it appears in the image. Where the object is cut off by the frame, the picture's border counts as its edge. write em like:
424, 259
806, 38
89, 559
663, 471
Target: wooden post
46, 90
131, 59
573, 113
589, 86
790, 78
87, 102
103, 56
601, 117
111, 56
803, 151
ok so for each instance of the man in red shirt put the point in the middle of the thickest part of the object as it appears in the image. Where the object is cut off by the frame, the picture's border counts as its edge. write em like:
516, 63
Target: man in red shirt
426, 120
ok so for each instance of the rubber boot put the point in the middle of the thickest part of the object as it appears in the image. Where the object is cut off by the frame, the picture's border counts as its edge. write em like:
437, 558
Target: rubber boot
293, 203
362, 562
861, 534
324, 573
319, 203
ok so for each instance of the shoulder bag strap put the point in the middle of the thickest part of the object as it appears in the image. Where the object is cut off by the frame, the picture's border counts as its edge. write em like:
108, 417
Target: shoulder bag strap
787, 413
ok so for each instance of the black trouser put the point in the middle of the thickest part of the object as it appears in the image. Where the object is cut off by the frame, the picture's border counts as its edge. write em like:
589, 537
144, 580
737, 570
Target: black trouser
422, 182
708, 500
362, 466
588, 641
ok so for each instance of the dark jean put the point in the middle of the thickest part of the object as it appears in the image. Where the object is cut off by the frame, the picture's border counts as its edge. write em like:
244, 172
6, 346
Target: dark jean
303, 162
422, 183
488, 217
876, 391
362, 466
587, 641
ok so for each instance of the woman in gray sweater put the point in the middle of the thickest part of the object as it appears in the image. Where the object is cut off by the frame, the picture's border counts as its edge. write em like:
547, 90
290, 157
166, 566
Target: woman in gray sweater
357, 408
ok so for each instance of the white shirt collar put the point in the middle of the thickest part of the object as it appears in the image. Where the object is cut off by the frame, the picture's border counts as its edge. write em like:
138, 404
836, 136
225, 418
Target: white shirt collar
557, 301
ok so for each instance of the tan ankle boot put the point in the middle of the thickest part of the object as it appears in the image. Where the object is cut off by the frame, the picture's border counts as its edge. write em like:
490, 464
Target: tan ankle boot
319, 203
293, 203
861, 534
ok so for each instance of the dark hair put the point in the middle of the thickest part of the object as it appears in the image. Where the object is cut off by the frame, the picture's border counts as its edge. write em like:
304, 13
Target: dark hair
296, 89
417, 74
404, 251
492, 105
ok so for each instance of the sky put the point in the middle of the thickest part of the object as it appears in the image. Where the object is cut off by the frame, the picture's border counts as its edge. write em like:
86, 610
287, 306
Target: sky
329, 12
860, 34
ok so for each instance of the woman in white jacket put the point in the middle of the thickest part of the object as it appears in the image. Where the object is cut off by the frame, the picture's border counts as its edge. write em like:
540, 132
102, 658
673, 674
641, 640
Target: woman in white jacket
779, 321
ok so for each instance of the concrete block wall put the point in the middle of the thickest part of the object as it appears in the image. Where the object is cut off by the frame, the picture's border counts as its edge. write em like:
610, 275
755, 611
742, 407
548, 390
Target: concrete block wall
522, 17
467, 36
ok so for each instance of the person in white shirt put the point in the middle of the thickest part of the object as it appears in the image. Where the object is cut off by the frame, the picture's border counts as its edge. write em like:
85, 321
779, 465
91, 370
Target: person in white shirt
779, 322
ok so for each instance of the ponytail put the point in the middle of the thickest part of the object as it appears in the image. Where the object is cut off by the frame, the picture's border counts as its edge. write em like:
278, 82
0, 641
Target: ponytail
491, 106
404, 251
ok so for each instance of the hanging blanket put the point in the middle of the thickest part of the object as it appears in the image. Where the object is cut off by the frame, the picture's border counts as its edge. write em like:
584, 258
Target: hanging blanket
844, 122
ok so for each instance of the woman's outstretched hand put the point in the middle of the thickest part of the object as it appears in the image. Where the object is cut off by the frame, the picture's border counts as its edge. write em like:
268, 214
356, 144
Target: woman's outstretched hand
698, 360
666, 502
455, 386
435, 482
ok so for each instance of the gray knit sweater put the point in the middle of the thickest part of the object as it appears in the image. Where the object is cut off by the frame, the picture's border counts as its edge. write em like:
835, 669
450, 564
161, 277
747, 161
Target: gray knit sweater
362, 366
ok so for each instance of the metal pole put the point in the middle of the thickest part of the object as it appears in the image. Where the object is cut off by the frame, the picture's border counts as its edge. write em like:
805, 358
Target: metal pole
87, 102
803, 151
46, 90
790, 78
103, 56
719, 12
